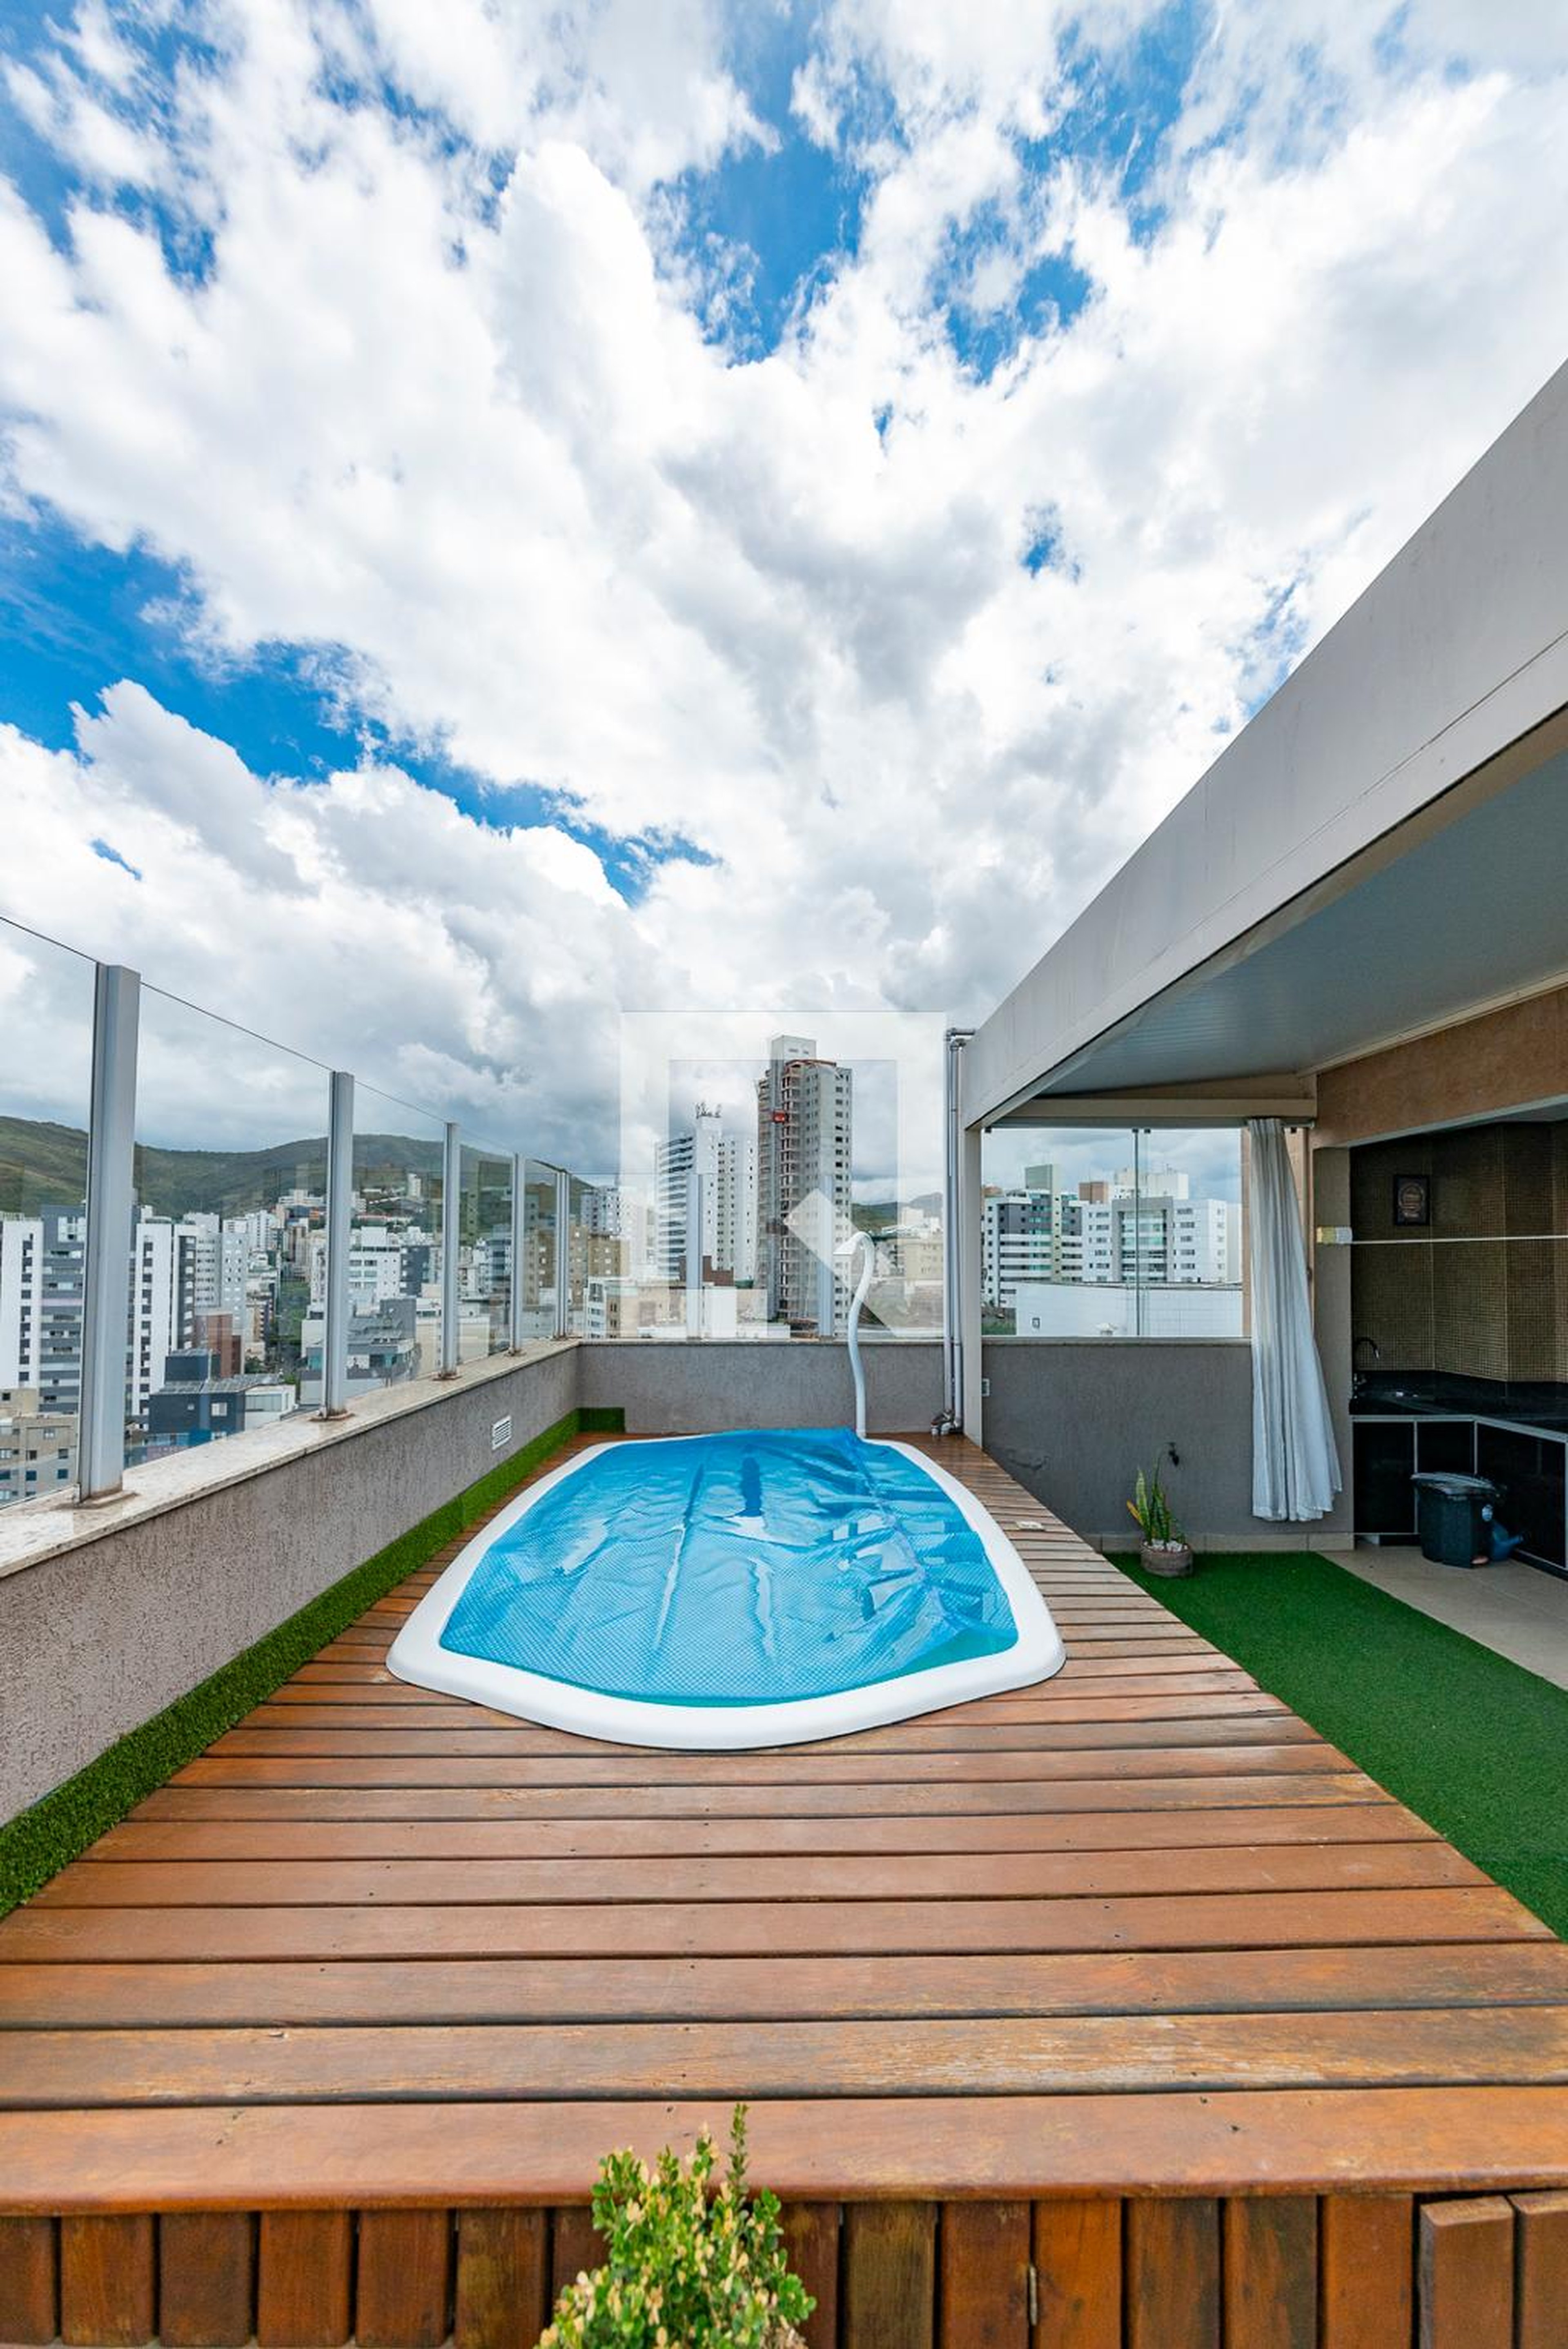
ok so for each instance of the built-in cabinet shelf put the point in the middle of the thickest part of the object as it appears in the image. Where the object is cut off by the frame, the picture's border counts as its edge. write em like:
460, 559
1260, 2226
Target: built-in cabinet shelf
1531, 1465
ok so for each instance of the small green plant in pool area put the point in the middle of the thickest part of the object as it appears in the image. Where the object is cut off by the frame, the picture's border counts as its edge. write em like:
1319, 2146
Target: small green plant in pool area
1165, 1548
689, 2263
1150, 1511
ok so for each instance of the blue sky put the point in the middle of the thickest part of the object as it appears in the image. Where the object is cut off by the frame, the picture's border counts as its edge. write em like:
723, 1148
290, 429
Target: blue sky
75, 616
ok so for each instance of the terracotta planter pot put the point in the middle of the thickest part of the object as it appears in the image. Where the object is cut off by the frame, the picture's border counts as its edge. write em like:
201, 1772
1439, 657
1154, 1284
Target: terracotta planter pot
1167, 1557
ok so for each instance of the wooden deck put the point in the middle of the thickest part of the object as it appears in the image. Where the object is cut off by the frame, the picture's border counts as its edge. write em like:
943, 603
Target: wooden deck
1126, 1997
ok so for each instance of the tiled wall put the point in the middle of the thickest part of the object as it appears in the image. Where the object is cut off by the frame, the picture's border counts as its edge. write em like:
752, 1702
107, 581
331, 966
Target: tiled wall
1478, 1291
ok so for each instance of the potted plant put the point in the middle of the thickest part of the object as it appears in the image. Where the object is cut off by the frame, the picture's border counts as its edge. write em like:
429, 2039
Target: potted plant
688, 2262
1166, 1549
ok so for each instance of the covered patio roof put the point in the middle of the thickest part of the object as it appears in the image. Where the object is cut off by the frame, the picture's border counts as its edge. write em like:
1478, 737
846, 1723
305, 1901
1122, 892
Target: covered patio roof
1380, 852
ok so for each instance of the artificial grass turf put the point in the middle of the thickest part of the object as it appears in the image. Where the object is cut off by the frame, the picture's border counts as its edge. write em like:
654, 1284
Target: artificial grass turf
1473, 1745
39, 1841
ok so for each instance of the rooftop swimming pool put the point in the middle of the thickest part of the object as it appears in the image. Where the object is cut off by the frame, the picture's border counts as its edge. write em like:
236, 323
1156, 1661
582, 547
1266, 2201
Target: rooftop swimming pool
741, 1589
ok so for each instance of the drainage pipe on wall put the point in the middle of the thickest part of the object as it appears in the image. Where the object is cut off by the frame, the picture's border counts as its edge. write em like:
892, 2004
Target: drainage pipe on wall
952, 1320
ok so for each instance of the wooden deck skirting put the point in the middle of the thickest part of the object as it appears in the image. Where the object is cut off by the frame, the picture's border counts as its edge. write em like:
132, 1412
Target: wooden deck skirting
1119, 2013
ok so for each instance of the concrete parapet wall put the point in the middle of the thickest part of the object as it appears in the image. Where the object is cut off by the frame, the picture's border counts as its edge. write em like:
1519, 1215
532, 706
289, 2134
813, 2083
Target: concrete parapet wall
1074, 1420
677, 1389
98, 1637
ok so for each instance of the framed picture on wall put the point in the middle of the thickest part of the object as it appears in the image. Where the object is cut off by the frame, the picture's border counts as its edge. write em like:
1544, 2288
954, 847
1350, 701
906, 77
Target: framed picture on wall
1412, 1199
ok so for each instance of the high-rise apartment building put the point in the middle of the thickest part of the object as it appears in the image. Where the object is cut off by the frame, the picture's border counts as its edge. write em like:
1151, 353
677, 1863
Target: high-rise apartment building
37, 1447
1031, 1235
162, 1291
735, 1209
1133, 1232
724, 1167
804, 1171
41, 1305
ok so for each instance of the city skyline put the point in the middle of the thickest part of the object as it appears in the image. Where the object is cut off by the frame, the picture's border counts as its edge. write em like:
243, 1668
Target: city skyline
225, 1309
1126, 1250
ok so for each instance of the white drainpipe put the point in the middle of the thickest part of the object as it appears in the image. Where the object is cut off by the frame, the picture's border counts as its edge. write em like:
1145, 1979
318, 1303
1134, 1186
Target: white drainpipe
951, 1414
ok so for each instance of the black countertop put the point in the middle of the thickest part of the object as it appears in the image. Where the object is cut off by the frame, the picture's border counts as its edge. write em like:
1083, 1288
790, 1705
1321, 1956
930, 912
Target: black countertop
1416, 1394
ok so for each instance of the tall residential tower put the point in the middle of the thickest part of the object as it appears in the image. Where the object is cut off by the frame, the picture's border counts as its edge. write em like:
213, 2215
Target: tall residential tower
804, 1164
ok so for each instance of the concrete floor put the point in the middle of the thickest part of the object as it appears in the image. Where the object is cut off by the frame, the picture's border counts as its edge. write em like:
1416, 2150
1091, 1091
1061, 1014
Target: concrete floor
1516, 1610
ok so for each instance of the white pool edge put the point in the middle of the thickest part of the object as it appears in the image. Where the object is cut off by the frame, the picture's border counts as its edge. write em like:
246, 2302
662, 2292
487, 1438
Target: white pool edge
418, 1657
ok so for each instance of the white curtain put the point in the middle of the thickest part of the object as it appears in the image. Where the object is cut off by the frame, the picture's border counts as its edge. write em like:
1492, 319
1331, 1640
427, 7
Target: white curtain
1295, 1468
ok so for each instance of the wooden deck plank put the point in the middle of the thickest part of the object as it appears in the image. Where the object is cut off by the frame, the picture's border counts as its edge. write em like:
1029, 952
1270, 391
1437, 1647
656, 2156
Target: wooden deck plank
576, 2248
424, 1990
29, 2281
631, 1808
304, 2279
354, 1956
402, 2279
1078, 2274
1466, 2290
930, 2056
206, 2273
322, 1839
740, 1929
1366, 2282
1458, 2140
1034, 1726
982, 2297
1540, 2313
811, 2233
1220, 1749
107, 2279
1211, 1695
1269, 2269
501, 2298
1173, 2274
759, 1877
887, 2285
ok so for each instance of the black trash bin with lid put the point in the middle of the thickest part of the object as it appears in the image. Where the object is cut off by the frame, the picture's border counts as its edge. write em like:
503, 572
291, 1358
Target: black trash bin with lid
1453, 1516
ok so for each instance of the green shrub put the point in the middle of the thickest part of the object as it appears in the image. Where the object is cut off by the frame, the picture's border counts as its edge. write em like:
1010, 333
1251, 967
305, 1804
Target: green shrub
1150, 1511
689, 2264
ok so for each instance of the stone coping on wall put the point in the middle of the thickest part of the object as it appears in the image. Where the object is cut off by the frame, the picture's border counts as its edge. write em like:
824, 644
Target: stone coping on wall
35, 1530
1103, 1345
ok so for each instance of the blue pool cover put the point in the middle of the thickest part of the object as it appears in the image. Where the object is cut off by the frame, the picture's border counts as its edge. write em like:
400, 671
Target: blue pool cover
747, 1568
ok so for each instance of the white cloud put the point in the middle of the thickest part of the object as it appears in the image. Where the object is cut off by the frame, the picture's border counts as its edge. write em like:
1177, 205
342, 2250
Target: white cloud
471, 442
365, 919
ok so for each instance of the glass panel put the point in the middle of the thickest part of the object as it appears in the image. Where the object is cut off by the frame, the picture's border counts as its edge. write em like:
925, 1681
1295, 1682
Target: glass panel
1190, 1227
613, 1224
539, 1250
588, 1252
394, 1252
484, 1255
230, 1187
46, 1007
761, 1144
1104, 1232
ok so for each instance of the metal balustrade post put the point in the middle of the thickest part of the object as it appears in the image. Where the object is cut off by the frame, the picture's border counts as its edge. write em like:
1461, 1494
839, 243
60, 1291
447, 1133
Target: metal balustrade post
450, 1212
562, 1253
519, 1239
110, 1203
340, 1206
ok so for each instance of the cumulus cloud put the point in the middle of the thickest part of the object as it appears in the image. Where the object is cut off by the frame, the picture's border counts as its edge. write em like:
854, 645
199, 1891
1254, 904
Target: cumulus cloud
383, 339
365, 920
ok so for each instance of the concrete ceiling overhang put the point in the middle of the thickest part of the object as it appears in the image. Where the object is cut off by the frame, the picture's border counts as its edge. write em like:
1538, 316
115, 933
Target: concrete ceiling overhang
1382, 850
1460, 908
